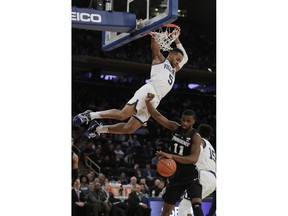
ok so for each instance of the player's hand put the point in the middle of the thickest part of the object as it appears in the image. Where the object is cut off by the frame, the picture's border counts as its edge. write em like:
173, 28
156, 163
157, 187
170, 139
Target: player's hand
149, 97
161, 154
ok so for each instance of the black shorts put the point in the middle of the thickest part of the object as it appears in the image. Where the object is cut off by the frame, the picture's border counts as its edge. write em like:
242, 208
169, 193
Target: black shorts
174, 192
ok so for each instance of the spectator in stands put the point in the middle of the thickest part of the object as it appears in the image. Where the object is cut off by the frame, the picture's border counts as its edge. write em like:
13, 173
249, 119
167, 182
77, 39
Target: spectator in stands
135, 205
84, 185
148, 151
105, 188
101, 177
155, 187
119, 162
111, 149
88, 150
147, 172
78, 201
130, 154
93, 204
145, 188
133, 182
103, 198
91, 176
135, 142
123, 179
97, 157
96, 180
118, 208
107, 165
137, 171
106, 181
119, 152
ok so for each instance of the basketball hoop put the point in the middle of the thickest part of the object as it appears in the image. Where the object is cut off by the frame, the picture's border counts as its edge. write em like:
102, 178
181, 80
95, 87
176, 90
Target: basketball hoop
166, 35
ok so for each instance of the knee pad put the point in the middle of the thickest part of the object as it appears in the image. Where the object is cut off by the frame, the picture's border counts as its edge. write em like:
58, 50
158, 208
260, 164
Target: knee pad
197, 209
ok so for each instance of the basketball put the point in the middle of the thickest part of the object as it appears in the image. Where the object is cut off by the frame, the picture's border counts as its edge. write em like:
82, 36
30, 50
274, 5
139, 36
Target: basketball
166, 167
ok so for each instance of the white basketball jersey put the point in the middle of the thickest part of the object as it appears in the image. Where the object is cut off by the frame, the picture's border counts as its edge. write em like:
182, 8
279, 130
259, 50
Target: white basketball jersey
207, 157
162, 78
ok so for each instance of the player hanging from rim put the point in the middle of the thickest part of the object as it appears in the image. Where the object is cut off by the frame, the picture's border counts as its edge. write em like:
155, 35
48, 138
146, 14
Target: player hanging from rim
162, 77
206, 166
184, 148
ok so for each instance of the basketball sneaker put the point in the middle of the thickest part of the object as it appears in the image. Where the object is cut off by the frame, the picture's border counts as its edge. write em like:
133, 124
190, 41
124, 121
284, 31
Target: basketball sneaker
91, 131
82, 118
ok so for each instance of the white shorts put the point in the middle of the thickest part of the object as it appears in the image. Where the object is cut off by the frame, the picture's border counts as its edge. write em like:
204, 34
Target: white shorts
139, 99
208, 182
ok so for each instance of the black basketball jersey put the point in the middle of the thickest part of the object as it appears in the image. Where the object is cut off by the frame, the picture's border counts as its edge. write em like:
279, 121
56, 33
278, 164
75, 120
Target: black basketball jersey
181, 144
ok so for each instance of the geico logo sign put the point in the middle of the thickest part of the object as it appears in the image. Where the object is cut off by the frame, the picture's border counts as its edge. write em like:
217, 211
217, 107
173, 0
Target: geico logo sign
86, 17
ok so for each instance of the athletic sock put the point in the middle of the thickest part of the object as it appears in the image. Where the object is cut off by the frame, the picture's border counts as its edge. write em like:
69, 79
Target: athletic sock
102, 129
197, 209
95, 115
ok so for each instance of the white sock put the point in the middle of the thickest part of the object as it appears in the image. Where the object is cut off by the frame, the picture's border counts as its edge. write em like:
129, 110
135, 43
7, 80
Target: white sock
95, 115
102, 129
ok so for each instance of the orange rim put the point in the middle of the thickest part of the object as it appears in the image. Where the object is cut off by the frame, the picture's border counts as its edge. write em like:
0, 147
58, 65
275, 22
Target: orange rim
171, 25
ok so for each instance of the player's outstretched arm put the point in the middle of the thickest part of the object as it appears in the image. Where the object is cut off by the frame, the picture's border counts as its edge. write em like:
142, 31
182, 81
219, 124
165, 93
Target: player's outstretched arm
185, 56
157, 56
171, 125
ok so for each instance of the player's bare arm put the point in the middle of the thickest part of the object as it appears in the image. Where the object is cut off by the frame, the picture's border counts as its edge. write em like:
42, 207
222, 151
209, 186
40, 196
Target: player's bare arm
157, 56
189, 159
171, 125
185, 56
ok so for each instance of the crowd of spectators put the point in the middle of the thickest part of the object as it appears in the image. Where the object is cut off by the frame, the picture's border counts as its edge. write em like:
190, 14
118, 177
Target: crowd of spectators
91, 196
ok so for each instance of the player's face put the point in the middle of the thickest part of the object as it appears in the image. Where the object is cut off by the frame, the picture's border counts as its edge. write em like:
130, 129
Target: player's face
175, 59
187, 121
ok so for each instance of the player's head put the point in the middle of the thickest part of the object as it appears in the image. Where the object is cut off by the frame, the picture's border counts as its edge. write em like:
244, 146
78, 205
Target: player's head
205, 131
175, 56
187, 119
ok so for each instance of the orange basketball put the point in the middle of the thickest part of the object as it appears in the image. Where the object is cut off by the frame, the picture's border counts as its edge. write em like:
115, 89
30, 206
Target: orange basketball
166, 167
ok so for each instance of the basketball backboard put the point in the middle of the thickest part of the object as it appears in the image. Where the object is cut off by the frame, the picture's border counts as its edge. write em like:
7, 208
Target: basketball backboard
150, 15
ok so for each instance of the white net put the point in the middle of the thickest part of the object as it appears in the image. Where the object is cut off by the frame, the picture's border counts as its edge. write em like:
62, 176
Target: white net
166, 35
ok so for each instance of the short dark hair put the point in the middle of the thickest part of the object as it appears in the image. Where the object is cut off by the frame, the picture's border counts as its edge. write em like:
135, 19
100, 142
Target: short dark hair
177, 50
205, 130
189, 112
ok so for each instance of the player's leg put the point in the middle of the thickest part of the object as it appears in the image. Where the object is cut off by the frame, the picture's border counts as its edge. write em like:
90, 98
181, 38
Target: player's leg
126, 112
167, 209
117, 114
194, 191
121, 128
171, 196
197, 206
